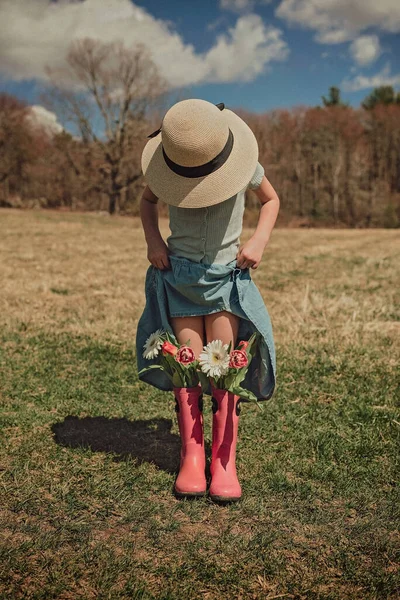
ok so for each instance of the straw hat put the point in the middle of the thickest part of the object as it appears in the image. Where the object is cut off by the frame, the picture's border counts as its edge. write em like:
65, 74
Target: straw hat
202, 155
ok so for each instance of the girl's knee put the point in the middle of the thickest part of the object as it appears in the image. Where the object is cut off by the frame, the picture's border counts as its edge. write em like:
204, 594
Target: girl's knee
222, 326
189, 330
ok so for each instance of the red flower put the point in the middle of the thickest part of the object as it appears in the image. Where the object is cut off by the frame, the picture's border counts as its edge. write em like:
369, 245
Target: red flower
168, 348
243, 345
185, 355
238, 359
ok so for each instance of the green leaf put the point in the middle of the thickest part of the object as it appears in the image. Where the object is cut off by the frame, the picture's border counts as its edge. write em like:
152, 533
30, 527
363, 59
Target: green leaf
204, 381
247, 394
156, 367
240, 375
167, 365
170, 361
151, 367
193, 381
234, 377
177, 380
171, 338
191, 374
252, 344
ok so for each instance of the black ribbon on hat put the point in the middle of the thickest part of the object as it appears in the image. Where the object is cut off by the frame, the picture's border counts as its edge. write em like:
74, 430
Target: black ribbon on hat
154, 133
207, 168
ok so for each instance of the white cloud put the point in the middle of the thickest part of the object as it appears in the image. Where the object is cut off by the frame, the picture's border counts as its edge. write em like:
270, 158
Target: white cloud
213, 25
245, 51
338, 21
361, 82
236, 5
365, 49
34, 34
240, 5
41, 118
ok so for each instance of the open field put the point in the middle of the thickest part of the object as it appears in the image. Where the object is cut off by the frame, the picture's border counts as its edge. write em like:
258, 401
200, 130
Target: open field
89, 454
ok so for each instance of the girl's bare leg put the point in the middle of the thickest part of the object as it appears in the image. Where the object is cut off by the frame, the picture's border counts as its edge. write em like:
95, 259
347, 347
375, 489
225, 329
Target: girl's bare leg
222, 326
189, 328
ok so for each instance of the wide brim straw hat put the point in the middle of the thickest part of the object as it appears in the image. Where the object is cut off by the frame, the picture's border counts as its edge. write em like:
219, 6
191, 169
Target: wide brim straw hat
202, 155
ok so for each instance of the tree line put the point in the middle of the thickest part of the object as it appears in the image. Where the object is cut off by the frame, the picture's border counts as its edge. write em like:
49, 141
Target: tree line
332, 165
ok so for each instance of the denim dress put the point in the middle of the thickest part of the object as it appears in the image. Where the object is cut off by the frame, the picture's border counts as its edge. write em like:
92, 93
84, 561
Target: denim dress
204, 279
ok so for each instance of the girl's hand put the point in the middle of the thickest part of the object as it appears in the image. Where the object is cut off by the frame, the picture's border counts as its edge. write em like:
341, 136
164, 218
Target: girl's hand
250, 254
157, 253
157, 249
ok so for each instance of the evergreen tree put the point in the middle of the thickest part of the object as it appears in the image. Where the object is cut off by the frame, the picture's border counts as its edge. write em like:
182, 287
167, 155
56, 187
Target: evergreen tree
384, 94
334, 98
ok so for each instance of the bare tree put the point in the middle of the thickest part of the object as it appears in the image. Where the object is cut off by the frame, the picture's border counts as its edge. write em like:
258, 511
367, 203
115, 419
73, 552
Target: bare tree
331, 165
16, 143
106, 91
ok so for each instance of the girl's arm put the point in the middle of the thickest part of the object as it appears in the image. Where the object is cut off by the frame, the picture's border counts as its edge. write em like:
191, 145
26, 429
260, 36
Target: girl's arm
157, 249
250, 254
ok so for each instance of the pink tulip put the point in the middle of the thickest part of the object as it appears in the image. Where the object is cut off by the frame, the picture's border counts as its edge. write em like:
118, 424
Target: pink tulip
185, 355
243, 345
168, 348
238, 359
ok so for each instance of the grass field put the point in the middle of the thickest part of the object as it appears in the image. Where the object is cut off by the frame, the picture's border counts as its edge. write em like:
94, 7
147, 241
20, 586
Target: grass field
89, 454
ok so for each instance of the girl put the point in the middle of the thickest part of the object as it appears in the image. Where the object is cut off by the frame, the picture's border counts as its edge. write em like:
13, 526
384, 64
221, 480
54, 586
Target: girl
200, 162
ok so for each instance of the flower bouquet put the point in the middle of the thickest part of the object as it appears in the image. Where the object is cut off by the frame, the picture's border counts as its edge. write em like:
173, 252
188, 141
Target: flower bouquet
227, 369
176, 360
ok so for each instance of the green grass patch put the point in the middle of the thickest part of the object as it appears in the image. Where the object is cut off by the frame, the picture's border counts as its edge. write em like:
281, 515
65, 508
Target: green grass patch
89, 456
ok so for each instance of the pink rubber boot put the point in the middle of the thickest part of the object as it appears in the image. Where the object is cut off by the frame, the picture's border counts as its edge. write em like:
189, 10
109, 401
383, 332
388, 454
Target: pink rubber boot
224, 483
191, 480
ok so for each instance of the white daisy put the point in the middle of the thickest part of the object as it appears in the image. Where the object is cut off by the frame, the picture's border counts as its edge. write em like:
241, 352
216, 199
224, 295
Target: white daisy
214, 360
153, 344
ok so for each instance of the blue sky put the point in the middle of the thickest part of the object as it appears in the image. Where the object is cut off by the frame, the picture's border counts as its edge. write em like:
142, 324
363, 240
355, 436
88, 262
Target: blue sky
255, 54
307, 73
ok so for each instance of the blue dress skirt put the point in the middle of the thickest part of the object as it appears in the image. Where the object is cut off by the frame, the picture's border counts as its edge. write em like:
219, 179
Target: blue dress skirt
189, 289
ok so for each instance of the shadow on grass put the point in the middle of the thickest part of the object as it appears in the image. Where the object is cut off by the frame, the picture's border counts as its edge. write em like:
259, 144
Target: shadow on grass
146, 440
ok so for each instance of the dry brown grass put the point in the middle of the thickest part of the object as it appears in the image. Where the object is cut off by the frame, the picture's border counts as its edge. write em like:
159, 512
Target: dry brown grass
84, 273
88, 452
